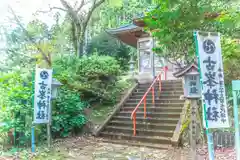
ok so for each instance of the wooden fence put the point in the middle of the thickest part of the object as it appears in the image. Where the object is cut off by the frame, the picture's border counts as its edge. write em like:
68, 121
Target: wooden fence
223, 139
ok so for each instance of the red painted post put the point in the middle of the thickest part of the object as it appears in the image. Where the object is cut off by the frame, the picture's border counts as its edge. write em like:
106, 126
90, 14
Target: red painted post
134, 124
165, 72
159, 84
145, 108
153, 96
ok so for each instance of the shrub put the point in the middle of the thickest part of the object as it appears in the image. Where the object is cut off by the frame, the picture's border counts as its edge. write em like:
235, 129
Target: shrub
67, 114
107, 45
94, 77
86, 79
16, 108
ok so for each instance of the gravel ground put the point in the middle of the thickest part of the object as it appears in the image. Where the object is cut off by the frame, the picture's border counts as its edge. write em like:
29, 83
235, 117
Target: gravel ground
89, 148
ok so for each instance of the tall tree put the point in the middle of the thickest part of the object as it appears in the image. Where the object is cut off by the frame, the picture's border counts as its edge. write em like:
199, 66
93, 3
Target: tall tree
80, 15
29, 36
174, 21
80, 19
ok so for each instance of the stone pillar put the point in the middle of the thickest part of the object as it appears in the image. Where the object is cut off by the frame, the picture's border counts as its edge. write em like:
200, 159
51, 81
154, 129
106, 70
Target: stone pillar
146, 60
131, 66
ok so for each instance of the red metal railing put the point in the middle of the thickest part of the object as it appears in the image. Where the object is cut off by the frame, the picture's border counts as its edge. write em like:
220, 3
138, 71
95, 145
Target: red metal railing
143, 100
165, 69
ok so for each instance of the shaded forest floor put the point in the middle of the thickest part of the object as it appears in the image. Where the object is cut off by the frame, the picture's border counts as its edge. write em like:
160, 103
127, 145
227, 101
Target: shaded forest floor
90, 148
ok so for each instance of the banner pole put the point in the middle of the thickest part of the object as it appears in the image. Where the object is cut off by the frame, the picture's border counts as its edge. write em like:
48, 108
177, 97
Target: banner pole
236, 123
33, 127
33, 140
209, 135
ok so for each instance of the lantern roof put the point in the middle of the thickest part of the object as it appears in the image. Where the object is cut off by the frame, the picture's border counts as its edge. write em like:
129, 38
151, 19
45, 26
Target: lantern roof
56, 82
191, 68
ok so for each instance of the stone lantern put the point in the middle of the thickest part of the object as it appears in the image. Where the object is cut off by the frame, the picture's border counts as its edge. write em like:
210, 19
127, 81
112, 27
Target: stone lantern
191, 80
55, 85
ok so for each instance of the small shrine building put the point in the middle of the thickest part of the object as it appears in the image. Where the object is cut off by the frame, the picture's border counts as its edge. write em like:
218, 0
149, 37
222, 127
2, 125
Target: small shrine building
148, 63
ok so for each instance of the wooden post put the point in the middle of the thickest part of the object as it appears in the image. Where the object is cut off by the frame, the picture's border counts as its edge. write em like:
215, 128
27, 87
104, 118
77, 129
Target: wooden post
193, 128
49, 136
141, 153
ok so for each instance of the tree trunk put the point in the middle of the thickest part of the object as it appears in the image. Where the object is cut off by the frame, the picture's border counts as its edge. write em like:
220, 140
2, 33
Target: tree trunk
81, 46
80, 24
74, 39
81, 41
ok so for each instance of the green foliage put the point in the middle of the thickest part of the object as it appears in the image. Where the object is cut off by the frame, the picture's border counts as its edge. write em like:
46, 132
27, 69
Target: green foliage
94, 76
119, 12
104, 44
67, 113
16, 110
173, 23
231, 60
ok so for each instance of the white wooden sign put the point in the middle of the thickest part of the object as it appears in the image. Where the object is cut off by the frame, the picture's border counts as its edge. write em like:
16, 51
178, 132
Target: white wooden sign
213, 91
42, 95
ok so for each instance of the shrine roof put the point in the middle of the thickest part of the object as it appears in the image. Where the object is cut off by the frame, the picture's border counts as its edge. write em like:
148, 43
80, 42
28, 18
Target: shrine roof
184, 70
124, 28
131, 32
127, 34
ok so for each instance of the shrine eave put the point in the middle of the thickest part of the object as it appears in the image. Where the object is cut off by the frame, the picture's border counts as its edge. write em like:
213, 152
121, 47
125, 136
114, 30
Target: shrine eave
128, 34
122, 29
181, 72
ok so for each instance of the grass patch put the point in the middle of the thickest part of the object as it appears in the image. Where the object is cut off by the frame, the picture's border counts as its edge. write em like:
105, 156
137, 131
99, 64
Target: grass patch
100, 113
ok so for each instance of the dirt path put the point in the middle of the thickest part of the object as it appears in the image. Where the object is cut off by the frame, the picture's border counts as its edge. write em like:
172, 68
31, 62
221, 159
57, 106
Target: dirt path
93, 149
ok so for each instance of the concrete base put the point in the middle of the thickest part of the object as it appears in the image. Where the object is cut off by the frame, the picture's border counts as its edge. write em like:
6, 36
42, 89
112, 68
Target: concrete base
144, 78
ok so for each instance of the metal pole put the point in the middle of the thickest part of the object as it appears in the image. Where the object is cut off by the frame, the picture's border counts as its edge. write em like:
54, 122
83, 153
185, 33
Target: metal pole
33, 140
33, 127
236, 124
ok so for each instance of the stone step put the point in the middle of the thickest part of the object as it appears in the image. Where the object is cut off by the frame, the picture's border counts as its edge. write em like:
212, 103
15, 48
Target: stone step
152, 114
170, 92
166, 99
163, 100
149, 139
137, 143
172, 81
139, 131
156, 109
163, 85
157, 86
144, 125
140, 119
166, 82
170, 96
163, 89
157, 104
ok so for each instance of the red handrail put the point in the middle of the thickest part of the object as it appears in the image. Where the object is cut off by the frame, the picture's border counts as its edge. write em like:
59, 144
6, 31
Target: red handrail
151, 88
165, 69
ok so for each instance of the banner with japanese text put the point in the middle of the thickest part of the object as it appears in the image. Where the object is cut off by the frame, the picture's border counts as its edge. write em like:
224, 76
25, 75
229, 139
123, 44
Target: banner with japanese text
42, 95
212, 79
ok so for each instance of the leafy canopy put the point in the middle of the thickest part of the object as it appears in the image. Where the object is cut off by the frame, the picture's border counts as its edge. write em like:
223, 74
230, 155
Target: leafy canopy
173, 22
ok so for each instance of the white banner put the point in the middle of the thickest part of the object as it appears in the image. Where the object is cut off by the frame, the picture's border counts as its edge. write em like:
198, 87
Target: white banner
42, 95
213, 92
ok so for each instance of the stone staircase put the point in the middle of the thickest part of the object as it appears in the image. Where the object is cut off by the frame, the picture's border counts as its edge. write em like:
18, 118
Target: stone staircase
157, 129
